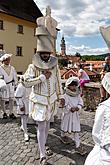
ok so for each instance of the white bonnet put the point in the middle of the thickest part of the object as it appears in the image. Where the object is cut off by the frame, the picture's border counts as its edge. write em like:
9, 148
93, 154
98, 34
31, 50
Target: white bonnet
71, 79
5, 56
106, 82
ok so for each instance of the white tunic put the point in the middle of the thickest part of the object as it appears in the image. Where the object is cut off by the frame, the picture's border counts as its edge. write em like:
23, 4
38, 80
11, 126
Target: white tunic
71, 121
10, 79
45, 92
100, 155
22, 98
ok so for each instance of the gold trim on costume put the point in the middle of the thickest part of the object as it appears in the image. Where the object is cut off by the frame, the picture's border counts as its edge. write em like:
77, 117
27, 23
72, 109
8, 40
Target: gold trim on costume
44, 95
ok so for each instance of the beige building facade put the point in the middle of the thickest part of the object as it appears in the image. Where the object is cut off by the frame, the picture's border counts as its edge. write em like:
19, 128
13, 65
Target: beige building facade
17, 36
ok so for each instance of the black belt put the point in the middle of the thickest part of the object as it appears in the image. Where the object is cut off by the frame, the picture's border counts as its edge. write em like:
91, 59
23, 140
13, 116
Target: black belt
10, 82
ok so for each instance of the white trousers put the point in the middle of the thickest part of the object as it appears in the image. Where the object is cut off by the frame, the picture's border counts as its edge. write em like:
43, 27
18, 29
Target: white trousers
76, 138
42, 133
24, 123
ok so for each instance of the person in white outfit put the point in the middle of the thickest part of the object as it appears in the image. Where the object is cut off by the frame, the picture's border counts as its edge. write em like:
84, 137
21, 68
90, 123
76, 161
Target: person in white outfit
100, 154
22, 100
44, 77
46, 91
71, 116
8, 72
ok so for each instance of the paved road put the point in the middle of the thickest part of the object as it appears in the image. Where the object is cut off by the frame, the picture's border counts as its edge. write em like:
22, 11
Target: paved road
15, 151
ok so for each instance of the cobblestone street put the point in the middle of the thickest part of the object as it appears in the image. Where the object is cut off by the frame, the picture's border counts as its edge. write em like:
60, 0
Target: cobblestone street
15, 151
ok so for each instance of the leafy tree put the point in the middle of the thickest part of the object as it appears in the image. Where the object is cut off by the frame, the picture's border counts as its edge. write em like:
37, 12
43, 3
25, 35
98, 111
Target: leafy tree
63, 62
77, 54
94, 57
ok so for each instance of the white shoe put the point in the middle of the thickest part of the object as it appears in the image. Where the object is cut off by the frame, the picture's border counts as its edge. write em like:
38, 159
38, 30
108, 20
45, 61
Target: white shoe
26, 137
21, 128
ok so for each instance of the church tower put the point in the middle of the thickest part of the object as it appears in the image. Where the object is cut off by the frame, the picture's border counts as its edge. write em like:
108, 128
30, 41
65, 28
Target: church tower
63, 47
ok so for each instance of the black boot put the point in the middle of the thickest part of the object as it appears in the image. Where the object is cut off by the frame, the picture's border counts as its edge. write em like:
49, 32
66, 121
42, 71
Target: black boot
12, 116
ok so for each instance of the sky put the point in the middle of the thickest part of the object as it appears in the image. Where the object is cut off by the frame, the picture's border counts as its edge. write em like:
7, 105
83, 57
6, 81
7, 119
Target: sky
79, 21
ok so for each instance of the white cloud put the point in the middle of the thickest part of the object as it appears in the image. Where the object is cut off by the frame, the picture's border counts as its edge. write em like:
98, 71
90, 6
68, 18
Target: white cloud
79, 18
86, 50
84, 16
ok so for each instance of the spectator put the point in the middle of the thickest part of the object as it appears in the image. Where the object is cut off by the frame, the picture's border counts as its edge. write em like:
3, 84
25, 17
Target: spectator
106, 68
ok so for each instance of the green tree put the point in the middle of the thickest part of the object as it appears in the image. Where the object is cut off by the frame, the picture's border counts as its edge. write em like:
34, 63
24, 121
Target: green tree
63, 62
78, 54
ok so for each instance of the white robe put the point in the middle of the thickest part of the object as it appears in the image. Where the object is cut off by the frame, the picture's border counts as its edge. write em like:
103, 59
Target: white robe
71, 121
45, 92
100, 155
22, 99
10, 86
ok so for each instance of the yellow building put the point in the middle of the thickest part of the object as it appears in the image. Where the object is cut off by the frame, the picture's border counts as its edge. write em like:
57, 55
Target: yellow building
17, 31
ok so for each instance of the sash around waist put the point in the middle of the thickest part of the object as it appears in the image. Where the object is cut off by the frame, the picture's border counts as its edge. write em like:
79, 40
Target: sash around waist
10, 82
42, 99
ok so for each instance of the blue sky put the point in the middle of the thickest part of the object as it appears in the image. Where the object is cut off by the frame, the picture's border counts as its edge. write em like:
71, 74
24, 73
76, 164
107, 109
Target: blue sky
79, 21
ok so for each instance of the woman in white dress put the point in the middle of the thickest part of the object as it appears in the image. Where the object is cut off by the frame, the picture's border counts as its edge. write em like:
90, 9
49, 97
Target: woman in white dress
71, 115
100, 155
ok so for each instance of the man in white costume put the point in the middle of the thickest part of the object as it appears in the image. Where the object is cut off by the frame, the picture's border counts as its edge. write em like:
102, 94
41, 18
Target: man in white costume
43, 74
9, 75
100, 155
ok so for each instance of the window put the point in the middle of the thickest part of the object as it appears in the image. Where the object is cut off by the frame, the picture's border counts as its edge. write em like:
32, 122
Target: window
34, 31
1, 46
1, 24
70, 75
35, 50
20, 29
18, 51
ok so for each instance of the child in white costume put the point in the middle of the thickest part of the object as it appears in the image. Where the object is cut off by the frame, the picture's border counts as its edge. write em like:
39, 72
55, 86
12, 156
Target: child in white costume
22, 100
70, 118
100, 155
